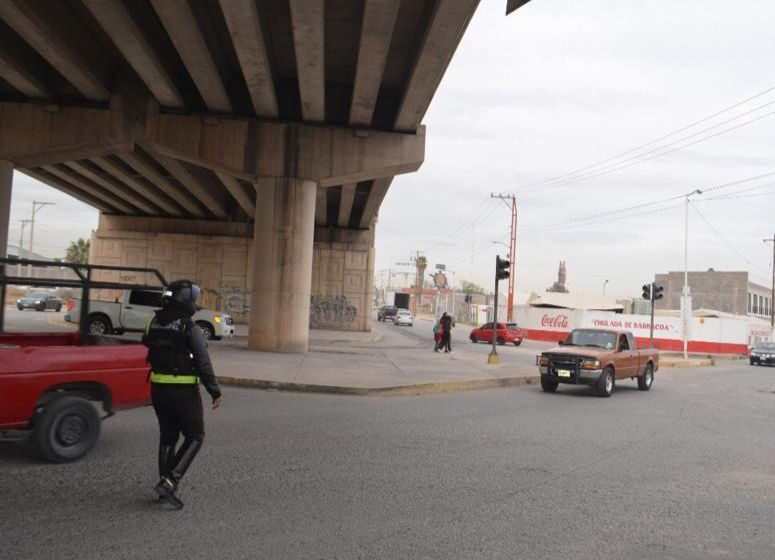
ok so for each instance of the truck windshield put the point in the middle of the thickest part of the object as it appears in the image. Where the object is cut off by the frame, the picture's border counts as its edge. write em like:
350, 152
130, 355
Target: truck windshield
589, 337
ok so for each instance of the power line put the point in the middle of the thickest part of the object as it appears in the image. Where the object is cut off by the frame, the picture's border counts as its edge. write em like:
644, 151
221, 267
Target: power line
725, 241
613, 212
651, 143
484, 212
636, 159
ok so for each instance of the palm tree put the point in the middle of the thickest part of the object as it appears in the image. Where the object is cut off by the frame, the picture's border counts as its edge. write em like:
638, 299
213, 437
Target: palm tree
421, 263
78, 251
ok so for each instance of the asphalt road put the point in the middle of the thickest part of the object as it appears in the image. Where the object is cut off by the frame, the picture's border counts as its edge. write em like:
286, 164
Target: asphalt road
684, 471
29, 320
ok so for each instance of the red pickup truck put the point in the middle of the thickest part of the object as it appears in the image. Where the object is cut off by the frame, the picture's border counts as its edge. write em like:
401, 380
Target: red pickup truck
50, 382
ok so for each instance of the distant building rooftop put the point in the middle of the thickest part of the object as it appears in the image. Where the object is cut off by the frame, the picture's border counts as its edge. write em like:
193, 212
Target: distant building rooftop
575, 301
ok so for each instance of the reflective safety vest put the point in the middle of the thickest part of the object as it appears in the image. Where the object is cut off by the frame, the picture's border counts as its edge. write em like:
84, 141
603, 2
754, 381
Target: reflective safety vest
169, 354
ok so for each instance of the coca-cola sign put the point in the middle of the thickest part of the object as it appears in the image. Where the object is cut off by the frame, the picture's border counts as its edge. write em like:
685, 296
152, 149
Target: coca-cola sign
555, 321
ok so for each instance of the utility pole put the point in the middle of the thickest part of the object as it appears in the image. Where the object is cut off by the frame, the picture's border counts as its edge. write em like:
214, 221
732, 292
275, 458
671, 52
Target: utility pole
772, 297
21, 244
35, 207
420, 263
512, 252
685, 311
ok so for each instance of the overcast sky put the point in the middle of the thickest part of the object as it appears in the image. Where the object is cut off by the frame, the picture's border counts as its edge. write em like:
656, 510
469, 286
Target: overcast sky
563, 84
555, 87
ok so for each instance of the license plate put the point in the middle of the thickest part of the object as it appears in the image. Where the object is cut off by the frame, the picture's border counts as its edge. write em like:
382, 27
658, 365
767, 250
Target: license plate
563, 373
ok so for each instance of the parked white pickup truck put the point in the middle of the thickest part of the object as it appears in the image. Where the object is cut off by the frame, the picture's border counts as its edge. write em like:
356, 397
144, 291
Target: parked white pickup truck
135, 310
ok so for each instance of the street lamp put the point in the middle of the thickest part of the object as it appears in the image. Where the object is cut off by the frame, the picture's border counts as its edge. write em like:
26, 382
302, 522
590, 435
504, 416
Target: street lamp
604, 283
685, 298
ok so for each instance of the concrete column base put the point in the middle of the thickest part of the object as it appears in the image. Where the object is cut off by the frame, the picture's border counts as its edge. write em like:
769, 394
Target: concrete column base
282, 265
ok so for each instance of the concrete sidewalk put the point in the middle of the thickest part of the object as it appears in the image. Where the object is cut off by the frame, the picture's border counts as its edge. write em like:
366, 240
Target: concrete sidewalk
362, 364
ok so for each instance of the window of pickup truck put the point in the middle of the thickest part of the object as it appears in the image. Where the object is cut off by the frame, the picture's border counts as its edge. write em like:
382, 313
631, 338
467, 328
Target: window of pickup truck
624, 344
146, 298
588, 337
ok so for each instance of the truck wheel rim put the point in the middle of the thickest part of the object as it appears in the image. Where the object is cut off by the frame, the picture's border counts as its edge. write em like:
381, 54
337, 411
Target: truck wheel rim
97, 328
609, 383
649, 378
71, 429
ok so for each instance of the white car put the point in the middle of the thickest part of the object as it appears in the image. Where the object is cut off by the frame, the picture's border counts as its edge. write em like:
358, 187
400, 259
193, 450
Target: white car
404, 317
135, 309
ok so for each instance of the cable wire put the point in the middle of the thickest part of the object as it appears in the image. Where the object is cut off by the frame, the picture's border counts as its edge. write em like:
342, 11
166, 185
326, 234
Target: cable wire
651, 143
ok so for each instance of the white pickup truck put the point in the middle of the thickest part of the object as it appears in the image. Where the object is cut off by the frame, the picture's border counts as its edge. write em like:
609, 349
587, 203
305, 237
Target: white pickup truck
135, 310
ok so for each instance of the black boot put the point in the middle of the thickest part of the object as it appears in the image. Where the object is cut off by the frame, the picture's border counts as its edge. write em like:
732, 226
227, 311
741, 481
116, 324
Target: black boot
167, 489
166, 462
184, 458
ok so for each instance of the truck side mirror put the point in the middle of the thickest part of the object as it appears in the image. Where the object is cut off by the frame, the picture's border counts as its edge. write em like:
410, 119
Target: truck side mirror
561, 342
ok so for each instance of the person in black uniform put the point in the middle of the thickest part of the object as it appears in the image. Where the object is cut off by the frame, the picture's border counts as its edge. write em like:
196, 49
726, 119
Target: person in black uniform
177, 353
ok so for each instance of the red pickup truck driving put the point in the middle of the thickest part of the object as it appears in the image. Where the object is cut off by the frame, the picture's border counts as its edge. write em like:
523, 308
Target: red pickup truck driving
50, 382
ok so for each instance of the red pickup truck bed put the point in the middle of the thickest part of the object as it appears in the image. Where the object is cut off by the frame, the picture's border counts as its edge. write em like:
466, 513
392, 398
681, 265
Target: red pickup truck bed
38, 368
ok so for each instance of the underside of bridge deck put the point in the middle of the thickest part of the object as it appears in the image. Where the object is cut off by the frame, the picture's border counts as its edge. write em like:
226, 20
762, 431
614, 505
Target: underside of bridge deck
275, 126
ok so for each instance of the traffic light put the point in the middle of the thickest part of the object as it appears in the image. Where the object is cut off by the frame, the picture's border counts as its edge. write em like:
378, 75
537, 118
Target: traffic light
647, 292
501, 268
658, 292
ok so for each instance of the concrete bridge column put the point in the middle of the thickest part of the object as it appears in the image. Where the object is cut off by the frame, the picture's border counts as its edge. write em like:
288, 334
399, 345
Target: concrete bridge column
6, 180
282, 264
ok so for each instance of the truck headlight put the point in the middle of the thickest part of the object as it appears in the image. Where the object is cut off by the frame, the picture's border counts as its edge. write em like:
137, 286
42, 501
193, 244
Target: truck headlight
543, 361
217, 319
590, 364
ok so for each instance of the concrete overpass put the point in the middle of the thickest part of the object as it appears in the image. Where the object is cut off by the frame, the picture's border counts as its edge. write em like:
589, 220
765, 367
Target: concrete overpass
246, 144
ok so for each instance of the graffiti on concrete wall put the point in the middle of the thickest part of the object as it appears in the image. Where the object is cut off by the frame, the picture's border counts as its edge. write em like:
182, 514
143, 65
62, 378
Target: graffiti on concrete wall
331, 310
235, 301
231, 300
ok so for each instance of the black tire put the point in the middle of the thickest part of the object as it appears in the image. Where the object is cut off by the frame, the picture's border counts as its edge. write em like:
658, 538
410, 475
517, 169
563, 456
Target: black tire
517, 343
99, 324
20, 308
548, 385
58, 308
605, 387
646, 380
66, 430
474, 339
207, 330
501, 342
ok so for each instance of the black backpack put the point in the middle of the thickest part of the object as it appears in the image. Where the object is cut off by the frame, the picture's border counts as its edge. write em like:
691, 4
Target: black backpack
168, 347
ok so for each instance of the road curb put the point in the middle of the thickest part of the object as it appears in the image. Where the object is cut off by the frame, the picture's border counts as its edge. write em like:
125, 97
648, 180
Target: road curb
686, 363
398, 390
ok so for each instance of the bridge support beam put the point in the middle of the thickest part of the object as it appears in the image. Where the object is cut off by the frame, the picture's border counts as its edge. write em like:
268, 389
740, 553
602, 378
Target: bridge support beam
282, 265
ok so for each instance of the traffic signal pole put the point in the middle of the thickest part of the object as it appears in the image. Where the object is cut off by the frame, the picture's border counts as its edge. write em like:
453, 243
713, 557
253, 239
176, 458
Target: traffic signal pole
651, 329
501, 273
493, 357
652, 293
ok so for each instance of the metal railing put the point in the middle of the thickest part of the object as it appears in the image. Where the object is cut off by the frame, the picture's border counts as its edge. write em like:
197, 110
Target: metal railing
83, 281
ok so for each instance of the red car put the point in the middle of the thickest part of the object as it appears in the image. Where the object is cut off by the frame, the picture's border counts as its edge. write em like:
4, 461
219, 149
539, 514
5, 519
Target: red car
507, 333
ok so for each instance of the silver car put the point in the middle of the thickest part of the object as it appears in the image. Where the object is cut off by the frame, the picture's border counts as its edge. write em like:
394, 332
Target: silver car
404, 317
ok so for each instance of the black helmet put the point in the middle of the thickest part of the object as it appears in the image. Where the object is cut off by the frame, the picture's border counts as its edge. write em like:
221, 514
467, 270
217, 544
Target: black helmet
181, 293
